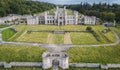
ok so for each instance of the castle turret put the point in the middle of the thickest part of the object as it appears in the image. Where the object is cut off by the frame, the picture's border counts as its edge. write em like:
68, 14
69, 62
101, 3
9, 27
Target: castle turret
66, 18
57, 7
114, 23
76, 17
64, 7
46, 17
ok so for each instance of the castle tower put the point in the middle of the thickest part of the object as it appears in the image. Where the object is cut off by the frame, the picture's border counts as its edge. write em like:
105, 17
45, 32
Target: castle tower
64, 64
57, 7
114, 23
64, 7
66, 17
76, 17
46, 61
46, 13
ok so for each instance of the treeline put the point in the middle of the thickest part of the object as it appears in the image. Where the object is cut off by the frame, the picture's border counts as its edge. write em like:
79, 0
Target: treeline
104, 11
23, 7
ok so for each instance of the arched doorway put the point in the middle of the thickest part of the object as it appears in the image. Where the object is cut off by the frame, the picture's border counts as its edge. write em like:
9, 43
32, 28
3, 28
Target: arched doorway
60, 23
55, 62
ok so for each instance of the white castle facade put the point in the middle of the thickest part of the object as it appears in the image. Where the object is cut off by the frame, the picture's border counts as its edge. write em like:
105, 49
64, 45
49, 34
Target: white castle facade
60, 16
51, 59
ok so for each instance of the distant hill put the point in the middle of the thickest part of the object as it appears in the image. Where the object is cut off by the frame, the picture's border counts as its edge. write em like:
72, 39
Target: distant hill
23, 7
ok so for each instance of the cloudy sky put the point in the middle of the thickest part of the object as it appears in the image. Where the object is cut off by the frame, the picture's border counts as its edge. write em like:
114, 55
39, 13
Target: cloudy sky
79, 1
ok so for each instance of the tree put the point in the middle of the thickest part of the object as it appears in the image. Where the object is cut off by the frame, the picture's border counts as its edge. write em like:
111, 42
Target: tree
23, 7
108, 16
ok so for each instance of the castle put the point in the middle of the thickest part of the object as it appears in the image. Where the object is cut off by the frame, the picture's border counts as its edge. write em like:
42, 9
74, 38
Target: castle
51, 59
60, 16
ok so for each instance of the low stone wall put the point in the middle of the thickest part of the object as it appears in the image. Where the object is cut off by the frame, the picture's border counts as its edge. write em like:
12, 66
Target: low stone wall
14, 30
24, 64
39, 64
95, 65
57, 30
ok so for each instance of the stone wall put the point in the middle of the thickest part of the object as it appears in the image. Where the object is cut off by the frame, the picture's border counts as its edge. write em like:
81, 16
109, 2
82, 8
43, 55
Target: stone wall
39, 64
24, 64
57, 30
14, 30
95, 65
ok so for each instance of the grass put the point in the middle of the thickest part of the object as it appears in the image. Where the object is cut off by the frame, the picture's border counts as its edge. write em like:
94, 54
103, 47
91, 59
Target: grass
101, 54
50, 27
17, 35
97, 30
73, 27
40, 37
111, 36
58, 38
42, 27
11, 53
6, 34
116, 30
83, 38
103, 38
21, 29
3, 26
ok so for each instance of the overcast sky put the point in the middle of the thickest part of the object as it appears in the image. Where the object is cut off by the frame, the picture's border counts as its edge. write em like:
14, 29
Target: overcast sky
79, 1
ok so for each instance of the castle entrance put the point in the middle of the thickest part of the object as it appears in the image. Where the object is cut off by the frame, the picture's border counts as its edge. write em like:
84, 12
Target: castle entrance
60, 24
55, 64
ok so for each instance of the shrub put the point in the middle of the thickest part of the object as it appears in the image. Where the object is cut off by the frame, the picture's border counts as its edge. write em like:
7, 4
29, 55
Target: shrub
89, 28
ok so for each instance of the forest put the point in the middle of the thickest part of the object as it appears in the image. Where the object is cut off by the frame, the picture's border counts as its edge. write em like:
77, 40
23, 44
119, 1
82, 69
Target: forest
23, 7
107, 12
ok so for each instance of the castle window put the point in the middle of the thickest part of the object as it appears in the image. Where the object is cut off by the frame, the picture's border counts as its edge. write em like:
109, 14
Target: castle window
48, 21
60, 17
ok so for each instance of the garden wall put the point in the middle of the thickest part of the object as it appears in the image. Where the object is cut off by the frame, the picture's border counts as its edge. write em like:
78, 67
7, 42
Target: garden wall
95, 65
24, 64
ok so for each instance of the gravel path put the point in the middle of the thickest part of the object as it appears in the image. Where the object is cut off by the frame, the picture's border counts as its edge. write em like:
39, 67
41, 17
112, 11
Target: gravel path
49, 38
67, 38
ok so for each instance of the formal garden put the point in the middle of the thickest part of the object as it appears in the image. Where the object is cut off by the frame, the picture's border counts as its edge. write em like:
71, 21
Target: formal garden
95, 37
9, 53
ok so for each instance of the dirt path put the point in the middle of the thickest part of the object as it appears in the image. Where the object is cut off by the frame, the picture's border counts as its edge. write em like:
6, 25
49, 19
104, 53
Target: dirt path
21, 35
50, 38
67, 38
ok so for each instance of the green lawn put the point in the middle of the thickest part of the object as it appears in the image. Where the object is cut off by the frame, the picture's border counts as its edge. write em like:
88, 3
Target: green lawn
6, 34
11, 53
21, 29
101, 54
51, 27
83, 38
58, 38
40, 37
103, 38
116, 30
3, 26
97, 29
110, 36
